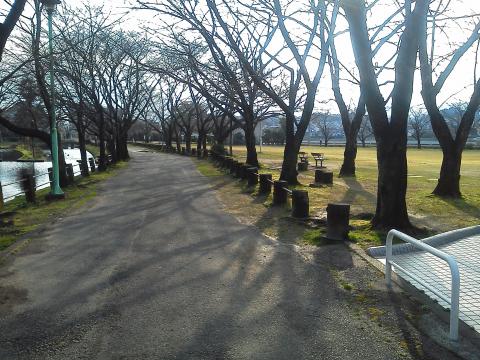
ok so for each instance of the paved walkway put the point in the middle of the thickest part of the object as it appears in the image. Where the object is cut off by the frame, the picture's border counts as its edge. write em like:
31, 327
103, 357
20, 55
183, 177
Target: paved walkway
154, 269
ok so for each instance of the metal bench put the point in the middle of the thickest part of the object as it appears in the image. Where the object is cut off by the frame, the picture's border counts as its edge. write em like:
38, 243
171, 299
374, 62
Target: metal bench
318, 157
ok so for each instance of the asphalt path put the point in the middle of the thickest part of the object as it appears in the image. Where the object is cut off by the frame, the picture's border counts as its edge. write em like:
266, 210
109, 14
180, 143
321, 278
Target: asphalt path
154, 268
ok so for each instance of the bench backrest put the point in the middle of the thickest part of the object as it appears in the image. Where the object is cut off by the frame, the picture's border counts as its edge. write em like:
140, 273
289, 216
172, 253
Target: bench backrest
318, 155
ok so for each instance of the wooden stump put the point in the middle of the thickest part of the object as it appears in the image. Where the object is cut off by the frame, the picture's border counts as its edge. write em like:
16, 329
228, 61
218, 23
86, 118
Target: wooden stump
280, 195
338, 219
302, 166
300, 204
323, 176
252, 176
265, 184
244, 171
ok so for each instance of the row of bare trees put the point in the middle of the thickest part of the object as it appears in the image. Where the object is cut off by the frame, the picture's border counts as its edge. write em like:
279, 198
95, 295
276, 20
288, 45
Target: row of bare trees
210, 66
244, 53
101, 88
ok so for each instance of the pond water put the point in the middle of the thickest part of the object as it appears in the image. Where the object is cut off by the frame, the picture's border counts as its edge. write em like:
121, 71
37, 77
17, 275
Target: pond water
9, 172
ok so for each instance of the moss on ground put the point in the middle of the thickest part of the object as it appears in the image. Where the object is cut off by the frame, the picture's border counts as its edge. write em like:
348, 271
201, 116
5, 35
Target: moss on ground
28, 217
27, 153
94, 150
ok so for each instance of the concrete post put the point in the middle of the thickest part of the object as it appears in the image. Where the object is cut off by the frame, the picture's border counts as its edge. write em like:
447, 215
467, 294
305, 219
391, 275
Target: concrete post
265, 184
252, 176
300, 204
338, 218
280, 195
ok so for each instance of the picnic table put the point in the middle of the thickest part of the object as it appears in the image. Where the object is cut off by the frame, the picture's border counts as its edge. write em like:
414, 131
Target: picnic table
318, 157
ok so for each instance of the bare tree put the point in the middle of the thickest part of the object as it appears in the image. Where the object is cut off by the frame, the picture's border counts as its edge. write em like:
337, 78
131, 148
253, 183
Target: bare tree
326, 126
390, 132
452, 144
418, 126
365, 132
15, 11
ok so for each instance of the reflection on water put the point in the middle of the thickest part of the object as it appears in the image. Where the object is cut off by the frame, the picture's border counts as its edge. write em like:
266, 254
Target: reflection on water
9, 171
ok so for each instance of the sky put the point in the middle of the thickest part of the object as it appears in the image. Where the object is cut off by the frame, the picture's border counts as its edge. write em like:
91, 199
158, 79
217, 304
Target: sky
457, 88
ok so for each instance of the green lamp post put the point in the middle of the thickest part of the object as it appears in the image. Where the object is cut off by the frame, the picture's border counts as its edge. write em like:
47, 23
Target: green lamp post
56, 191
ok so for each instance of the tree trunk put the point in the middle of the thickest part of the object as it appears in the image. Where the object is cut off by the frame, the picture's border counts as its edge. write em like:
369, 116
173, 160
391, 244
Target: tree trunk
449, 182
83, 152
199, 141
249, 130
391, 209
61, 164
102, 163
349, 156
112, 150
122, 147
290, 154
188, 141
419, 143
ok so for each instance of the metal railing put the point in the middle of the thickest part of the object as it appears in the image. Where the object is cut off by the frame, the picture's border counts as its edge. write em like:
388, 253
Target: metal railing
37, 186
453, 301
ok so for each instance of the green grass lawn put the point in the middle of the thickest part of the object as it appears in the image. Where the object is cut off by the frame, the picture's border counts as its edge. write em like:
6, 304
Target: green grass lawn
425, 209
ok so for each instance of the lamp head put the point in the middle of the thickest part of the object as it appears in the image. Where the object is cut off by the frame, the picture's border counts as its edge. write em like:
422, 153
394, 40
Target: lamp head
50, 5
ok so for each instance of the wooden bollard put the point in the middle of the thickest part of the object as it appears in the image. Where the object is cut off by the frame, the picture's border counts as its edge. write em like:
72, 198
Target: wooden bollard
238, 169
91, 161
28, 185
244, 171
233, 166
252, 176
265, 184
300, 204
193, 152
205, 154
280, 195
70, 174
50, 177
183, 151
323, 176
302, 166
338, 219
199, 153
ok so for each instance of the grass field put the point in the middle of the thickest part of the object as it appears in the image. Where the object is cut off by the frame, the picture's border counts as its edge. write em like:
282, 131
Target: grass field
425, 209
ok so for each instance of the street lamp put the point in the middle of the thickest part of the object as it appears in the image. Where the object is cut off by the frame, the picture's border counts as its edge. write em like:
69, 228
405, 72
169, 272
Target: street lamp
56, 191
